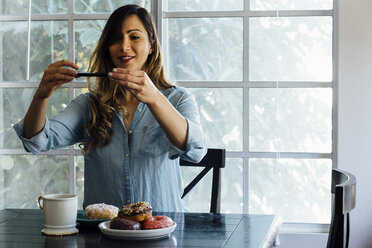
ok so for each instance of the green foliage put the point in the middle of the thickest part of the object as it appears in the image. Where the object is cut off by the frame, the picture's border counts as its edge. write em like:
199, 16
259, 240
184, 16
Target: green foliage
205, 49
42, 174
15, 105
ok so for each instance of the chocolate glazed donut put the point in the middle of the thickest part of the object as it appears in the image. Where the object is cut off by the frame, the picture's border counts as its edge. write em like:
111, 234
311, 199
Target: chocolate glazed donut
139, 211
125, 224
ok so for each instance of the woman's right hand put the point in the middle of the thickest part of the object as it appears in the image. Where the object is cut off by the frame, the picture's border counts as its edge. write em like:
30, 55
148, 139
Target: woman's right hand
54, 76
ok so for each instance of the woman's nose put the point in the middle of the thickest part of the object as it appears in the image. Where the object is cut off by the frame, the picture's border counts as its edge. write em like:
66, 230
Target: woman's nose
125, 45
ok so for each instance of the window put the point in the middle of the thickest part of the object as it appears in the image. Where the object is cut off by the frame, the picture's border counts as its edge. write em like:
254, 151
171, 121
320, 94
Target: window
262, 73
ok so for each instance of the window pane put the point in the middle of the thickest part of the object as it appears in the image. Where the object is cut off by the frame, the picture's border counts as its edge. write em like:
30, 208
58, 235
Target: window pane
298, 190
232, 186
14, 49
87, 34
221, 115
12, 7
108, 6
78, 91
290, 49
199, 198
79, 166
290, 120
49, 7
291, 5
205, 5
14, 104
49, 43
25, 177
205, 48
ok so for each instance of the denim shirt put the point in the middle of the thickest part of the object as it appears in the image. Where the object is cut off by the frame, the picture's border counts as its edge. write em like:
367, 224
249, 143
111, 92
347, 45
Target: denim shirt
139, 164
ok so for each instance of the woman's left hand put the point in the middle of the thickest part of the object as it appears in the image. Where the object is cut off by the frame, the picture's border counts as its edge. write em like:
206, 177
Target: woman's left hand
140, 85
136, 82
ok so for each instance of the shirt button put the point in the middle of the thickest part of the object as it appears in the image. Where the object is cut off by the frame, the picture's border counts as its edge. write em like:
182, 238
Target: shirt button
130, 131
127, 177
140, 110
127, 155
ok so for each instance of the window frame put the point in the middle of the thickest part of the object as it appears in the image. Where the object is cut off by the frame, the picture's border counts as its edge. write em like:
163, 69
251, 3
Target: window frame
247, 84
160, 16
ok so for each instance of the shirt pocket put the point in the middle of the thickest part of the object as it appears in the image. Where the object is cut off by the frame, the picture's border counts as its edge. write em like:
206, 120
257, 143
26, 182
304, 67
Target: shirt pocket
154, 142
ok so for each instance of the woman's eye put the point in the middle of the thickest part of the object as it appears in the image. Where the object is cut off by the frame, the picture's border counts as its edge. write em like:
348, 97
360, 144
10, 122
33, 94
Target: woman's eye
134, 37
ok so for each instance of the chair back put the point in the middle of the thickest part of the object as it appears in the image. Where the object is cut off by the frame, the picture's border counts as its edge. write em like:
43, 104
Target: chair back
344, 190
213, 160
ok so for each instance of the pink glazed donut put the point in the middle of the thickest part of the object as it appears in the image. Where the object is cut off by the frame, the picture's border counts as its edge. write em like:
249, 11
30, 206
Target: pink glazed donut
156, 222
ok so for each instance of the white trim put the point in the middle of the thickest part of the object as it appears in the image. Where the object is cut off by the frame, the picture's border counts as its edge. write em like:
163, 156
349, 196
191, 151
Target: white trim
28, 40
269, 13
304, 228
335, 85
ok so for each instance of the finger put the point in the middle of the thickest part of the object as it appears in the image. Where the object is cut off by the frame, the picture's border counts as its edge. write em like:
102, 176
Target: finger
57, 85
120, 70
62, 70
58, 77
126, 78
137, 73
130, 85
65, 62
132, 72
135, 93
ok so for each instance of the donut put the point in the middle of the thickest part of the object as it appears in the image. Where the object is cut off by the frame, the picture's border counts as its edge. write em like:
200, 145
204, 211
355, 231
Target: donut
156, 222
139, 211
125, 224
101, 211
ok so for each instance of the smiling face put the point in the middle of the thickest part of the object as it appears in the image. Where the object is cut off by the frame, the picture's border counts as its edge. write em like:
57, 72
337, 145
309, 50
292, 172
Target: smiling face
132, 47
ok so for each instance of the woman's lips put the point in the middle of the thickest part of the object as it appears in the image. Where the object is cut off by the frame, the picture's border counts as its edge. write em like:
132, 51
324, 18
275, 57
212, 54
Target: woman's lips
126, 59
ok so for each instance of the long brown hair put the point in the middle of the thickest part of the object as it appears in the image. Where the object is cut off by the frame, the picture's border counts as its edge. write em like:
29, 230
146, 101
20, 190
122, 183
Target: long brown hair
107, 97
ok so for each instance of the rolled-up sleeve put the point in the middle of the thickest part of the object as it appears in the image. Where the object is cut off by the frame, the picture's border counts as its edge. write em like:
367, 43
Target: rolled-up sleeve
65, 129
195, 144
37, 142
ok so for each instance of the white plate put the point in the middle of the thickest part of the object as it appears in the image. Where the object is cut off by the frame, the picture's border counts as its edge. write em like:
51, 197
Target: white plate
136, 234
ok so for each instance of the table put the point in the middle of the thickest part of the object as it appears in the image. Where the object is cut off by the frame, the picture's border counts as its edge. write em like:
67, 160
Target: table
21, 228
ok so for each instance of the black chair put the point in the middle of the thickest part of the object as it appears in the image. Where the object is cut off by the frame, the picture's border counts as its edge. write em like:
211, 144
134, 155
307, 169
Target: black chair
214, 159
344, 190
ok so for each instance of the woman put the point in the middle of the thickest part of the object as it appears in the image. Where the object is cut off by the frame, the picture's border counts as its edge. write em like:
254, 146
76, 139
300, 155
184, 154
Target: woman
132, 126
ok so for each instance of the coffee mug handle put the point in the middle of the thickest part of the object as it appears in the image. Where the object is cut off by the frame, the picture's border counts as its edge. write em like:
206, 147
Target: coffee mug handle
39, 203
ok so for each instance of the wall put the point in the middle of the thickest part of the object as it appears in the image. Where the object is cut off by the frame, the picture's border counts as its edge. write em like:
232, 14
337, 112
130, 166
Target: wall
355, 110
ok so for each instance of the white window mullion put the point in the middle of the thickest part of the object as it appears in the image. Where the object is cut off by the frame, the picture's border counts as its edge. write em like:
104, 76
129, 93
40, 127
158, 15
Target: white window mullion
28, 40
335, 85
246, 172
71, 57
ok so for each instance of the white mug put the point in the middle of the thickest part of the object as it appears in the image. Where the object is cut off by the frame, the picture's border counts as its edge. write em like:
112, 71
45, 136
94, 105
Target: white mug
60, 211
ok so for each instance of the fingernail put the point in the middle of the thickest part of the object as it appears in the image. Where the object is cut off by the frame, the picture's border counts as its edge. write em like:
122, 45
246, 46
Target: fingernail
114, 70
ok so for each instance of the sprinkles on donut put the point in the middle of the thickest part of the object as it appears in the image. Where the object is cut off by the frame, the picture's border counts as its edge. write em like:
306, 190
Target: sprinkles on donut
139, 211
